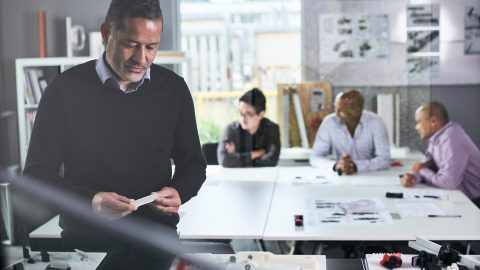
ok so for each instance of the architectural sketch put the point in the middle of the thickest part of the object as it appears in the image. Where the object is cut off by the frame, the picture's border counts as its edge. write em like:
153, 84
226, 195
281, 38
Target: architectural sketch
353, 37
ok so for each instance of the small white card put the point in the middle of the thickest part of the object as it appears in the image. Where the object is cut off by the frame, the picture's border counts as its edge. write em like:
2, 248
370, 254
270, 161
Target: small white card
147, 199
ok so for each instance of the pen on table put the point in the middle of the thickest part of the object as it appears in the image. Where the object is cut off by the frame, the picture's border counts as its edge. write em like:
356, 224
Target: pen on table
427, 196
454, 216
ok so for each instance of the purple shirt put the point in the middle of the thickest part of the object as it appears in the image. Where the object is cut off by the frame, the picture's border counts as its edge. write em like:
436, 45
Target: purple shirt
457, 158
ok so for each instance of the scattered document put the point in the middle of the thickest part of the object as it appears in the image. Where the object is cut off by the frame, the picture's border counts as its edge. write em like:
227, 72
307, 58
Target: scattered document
351, 211
311, 178
425, 195
418, 209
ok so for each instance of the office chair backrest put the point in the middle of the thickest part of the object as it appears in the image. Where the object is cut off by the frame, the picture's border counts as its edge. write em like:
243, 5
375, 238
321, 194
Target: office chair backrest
210, 153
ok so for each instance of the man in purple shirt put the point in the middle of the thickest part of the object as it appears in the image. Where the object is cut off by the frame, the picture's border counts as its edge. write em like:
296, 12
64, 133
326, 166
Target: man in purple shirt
452, 160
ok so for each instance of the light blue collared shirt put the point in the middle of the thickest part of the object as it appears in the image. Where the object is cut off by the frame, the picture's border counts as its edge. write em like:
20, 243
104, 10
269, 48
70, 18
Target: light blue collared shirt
369, 147
108, 78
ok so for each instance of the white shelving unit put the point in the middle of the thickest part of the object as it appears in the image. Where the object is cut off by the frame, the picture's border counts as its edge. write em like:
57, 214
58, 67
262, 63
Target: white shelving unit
28, 109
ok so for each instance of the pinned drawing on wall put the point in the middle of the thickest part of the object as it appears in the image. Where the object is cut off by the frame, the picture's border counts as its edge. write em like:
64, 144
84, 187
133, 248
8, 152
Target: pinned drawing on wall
423, 67
423, 41
317, 99
353, 37
472, 30
75, 37
423, 15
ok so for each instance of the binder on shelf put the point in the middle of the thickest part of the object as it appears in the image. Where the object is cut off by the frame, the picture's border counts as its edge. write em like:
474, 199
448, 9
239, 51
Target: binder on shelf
29, 90
302, 108
32, 77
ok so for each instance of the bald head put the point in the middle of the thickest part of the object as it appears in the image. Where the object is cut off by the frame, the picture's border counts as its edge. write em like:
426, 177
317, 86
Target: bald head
434, 109
353, 99
349, 106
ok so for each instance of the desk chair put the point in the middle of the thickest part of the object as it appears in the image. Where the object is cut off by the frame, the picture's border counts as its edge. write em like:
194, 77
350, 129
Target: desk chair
210, 153
476, 201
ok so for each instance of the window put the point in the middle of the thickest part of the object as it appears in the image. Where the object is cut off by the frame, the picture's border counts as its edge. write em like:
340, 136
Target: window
234, 46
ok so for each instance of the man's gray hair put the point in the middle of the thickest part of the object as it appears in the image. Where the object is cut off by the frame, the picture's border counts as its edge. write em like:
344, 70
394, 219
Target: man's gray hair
120, 10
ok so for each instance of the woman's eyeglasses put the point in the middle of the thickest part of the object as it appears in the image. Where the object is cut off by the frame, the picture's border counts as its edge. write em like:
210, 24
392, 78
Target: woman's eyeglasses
247, 115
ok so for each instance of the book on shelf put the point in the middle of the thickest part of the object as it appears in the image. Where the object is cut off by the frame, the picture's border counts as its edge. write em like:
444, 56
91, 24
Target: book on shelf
32, 76
28, 93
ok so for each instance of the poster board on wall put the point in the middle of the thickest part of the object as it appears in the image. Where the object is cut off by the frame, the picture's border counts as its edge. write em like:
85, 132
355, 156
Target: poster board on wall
301, 109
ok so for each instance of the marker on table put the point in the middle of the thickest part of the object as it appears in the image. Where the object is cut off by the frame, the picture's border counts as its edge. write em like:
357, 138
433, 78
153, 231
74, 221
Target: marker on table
440, 216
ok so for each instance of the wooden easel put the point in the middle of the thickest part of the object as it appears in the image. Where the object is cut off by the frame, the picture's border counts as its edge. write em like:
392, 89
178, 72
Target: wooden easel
291, 98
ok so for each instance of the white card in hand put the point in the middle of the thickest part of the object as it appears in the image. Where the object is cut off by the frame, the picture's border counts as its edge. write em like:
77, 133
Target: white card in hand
147, 199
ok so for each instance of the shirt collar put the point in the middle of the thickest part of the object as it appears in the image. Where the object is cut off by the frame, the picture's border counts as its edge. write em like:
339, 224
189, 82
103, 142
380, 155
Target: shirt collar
361, 121
439, 132
108, 78
362, 118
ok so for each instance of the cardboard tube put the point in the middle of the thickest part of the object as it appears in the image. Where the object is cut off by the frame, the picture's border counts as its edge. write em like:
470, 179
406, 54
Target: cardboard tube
42, 34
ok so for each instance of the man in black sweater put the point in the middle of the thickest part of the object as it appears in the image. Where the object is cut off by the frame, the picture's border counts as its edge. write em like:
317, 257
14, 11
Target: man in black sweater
115, 124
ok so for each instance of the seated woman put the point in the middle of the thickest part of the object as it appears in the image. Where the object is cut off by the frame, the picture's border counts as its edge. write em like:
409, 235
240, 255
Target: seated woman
253, 141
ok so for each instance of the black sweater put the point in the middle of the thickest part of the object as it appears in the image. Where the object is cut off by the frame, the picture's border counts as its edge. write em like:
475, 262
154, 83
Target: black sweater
116, 142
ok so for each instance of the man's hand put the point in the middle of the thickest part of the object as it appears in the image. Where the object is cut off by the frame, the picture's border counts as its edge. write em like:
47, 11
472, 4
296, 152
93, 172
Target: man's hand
257, 153
230, 147
168, 201
346, 164
417, 166
407, 180
112, 206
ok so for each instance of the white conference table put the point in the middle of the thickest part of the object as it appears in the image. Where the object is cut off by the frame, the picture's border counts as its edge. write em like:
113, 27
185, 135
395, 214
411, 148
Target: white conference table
259, 203
232, 204
297, 190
